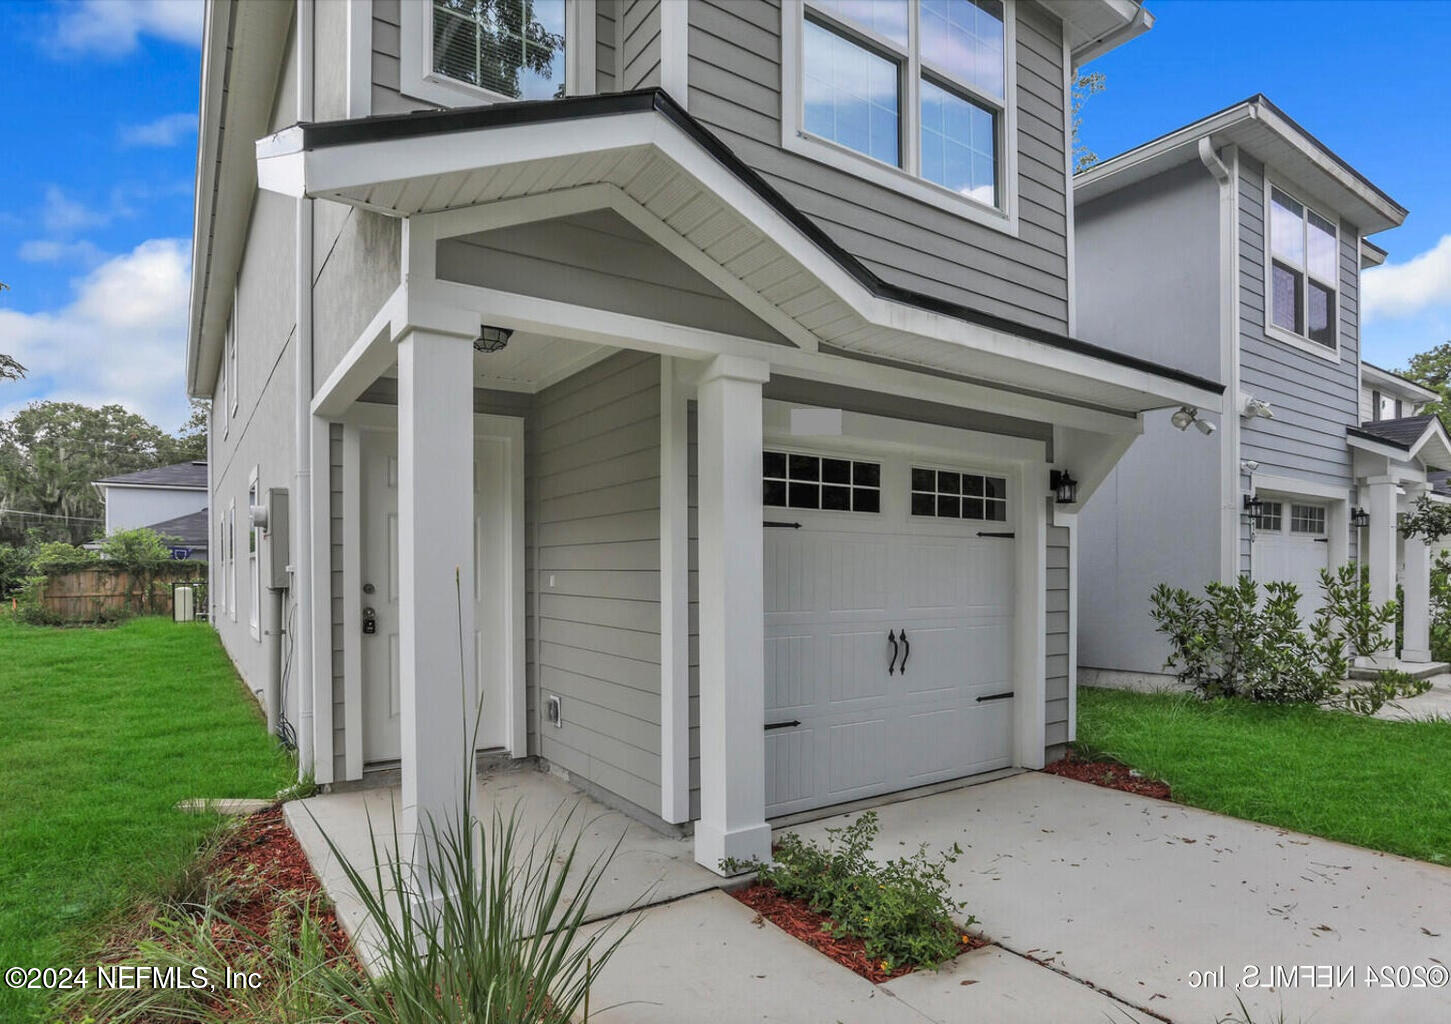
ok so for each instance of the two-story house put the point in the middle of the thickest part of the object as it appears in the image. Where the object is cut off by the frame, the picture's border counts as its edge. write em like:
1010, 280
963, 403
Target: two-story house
1234, 246
171, 500
695, 386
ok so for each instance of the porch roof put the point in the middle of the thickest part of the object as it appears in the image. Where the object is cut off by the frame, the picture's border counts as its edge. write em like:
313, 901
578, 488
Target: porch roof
643, 155
1423, 438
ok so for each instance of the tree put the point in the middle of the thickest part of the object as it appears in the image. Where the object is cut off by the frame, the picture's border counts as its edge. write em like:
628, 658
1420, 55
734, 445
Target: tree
190, 442
50, 452
1085, 84
1432, 369
10, 369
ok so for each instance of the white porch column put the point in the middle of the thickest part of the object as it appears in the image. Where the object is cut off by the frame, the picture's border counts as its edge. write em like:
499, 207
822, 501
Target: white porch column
1380, 540
732, 615
1416, 583
435, 540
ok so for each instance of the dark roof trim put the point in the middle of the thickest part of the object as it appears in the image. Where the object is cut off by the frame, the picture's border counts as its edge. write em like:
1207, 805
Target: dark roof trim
1366, 435
1262, 99
392, 127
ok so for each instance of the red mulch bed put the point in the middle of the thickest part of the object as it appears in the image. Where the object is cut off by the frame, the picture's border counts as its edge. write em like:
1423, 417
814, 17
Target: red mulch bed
264, 853
796, 918
1110, 775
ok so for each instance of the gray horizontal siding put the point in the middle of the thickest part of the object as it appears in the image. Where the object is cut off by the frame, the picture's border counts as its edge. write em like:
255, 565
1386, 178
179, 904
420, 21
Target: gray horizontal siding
639, 44
595, 441
1314, 399
735, 88
1056, 636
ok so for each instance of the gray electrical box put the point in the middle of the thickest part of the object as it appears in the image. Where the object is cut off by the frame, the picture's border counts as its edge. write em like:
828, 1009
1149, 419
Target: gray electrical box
278, 537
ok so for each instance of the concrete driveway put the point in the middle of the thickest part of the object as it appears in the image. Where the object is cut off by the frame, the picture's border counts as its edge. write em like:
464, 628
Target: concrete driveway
1131, 896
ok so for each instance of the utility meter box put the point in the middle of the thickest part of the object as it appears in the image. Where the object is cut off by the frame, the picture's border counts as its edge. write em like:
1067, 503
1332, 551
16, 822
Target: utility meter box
278, 536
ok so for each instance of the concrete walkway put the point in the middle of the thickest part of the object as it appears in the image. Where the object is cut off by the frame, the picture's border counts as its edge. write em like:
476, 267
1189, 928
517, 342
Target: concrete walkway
1435, 703
1132, 895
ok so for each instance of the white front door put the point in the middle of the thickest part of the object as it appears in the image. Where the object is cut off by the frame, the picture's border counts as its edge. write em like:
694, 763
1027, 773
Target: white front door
496, 645
889, 626
1291, 544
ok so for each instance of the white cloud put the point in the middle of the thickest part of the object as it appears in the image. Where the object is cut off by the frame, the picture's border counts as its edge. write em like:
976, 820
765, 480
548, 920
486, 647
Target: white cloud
1404, 289
113, 27
61, 214
163, 132
48, 250
121, 339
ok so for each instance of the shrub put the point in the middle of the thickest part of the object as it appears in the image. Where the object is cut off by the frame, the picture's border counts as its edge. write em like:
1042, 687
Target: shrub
1232, 643
1441, 609
55, 557
902, 910
136, 550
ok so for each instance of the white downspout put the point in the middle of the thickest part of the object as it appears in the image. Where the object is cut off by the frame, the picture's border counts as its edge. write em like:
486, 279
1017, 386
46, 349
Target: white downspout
302, 582
1227, 175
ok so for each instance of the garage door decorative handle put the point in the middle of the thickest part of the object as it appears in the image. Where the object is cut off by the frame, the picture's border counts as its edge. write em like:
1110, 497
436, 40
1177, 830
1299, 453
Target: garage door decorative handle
1008, 695
892, 639
782, 725
906, 652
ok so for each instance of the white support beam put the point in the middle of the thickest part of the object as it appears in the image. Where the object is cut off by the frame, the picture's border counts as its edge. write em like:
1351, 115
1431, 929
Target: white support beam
674, 599
1030, 712
732, 609
435, 567
1416, 587
320, 622
1381, 540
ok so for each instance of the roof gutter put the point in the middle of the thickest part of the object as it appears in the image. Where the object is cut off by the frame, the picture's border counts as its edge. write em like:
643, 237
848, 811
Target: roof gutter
216, 68
1137, 25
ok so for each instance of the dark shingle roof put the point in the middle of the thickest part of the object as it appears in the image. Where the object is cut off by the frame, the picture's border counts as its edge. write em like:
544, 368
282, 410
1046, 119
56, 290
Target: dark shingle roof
182, 474
190, 529
1402, 432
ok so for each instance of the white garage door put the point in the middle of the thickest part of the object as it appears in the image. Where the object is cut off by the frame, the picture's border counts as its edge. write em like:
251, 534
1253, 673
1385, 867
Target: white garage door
1291, 544
889, 623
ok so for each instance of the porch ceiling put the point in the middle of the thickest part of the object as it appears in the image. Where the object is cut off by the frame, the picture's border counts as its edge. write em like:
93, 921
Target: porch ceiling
642, 156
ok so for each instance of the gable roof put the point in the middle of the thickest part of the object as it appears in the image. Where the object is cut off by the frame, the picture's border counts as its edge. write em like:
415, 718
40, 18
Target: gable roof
1402, 432
1380, 375
190, 529
1267, 133
1419, 437
191, 475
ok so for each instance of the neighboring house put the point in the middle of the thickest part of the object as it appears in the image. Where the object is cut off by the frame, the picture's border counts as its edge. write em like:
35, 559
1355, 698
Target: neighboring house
718, 403
160, 499
188, 535
1234, 247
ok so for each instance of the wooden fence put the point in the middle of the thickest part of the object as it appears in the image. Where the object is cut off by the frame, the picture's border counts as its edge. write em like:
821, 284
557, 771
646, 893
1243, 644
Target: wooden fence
90, 595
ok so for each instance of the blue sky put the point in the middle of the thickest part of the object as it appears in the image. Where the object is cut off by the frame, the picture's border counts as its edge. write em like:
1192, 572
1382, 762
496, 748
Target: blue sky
100, 101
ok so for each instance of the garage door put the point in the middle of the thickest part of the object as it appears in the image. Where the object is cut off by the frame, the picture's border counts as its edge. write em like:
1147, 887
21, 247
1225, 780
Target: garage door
889, 626
1291, 544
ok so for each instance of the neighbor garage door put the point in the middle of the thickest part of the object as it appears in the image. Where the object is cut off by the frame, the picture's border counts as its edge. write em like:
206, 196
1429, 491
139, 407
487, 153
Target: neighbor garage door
1291, 544
889, 625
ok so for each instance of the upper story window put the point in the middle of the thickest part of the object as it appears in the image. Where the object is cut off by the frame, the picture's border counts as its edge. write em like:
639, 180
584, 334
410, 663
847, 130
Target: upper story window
459, 52
912, 94
1385, 407
1304, 250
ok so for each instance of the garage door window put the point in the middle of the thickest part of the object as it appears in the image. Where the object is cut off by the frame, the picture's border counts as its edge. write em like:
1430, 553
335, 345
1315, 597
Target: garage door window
1307, 519
794, 480
944, 494
1270, 517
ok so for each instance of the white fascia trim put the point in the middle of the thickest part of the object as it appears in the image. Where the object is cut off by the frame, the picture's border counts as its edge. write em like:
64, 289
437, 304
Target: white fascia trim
153, 487
1386, 381
1095, 181
215, 40
1316, 154
1269, 483
1377, 448
1433, 432
864, 431
323, 172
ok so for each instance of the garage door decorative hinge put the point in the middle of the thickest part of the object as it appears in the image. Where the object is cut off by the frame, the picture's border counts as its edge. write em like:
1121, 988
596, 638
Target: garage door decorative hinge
989, 533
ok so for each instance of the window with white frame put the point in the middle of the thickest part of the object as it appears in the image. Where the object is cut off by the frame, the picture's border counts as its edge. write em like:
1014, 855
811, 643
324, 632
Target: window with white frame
917, 89
796, 480
254, 577
1307, 519
488, 51
948, 494
232, 361
1270, 517
1304, 250
232, 560
219, 600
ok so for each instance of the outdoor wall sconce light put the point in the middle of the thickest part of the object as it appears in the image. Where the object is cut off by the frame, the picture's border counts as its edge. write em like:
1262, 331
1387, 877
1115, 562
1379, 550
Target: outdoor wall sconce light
1359, 518
1188, 416
1253, 506
1065, 488
492, 339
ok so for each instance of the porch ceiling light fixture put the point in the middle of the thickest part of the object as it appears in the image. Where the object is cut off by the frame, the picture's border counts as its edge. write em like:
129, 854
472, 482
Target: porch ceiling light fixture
1253, 506
492, 339
1065, 488
1187, 416
1359, 518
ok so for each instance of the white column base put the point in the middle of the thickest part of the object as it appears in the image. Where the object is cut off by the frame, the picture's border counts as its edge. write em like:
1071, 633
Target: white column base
713, 846
1415, 655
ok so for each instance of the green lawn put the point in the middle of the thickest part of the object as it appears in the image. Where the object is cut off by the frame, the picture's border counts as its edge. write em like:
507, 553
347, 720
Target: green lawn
1384, 785
104, 730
